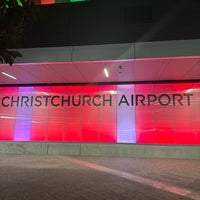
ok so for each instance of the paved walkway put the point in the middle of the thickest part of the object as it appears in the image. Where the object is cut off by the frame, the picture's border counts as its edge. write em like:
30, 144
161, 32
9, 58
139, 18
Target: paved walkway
29, 177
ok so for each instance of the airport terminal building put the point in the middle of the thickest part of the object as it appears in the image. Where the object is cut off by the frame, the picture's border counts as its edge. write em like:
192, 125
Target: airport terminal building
101, 78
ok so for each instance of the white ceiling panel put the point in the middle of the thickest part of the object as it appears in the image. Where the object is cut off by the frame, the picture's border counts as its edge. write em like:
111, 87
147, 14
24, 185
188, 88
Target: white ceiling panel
194, 72
67, 72
122, 70
149, 69
39, 74
177, 68
145, 69
91, 71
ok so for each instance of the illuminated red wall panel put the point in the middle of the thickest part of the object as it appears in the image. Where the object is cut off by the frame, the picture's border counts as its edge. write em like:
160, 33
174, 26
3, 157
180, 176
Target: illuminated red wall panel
184, 117
164, 117
196, 104
7, 116
140, 113
73, 120
40, 117
56, 115
90, 115
145, 126
107, 115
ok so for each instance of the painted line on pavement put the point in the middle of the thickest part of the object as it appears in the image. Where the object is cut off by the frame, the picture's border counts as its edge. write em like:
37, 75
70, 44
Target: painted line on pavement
155, 184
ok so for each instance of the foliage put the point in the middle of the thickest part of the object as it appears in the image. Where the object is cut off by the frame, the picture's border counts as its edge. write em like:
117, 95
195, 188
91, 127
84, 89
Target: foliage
13, 14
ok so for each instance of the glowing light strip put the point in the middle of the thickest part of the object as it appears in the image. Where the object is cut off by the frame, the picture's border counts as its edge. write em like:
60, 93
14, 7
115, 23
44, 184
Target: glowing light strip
126, 122
106, 72
10, 76
23, 117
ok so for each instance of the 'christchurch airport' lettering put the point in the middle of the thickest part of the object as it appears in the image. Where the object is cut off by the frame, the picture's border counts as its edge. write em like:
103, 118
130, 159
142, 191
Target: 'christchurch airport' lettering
37, 101
151, 99
97, 100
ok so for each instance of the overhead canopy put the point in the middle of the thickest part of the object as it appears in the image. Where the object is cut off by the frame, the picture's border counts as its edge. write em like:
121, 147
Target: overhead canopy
130, 62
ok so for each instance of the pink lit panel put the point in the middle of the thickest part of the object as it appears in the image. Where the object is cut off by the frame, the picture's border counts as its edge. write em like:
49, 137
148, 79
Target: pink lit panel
56, 115
184, 117
164, 117
90, 116
145, 116
107, 115
40, 117
73, 119
196, 91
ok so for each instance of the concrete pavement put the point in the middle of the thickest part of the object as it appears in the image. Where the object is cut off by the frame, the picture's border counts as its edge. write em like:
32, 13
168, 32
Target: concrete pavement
31, 177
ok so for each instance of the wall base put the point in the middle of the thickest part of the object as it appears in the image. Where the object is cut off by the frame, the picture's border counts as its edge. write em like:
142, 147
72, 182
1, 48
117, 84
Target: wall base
102, 149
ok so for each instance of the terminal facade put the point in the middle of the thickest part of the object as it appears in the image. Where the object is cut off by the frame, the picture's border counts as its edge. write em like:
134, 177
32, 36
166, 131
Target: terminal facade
120, 83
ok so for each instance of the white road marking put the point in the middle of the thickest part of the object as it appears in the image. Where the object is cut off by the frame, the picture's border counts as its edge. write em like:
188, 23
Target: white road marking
155, 184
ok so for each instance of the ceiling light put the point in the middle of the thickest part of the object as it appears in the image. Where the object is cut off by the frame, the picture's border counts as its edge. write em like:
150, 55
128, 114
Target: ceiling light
10, 76
6, 117
113, 92
189, 90
106, 72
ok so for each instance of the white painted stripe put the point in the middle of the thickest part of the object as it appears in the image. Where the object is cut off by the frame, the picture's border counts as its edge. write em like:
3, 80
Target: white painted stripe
155, 184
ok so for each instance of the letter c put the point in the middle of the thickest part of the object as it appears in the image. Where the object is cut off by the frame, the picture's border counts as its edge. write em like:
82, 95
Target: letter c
3, 103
